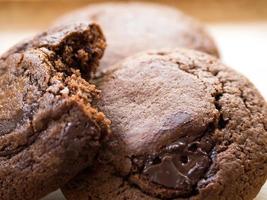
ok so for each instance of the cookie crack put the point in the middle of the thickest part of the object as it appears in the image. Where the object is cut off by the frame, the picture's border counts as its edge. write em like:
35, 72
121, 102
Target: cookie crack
52, 56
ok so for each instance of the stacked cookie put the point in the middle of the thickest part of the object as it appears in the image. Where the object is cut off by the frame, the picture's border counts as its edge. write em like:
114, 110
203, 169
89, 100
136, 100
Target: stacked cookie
149, 120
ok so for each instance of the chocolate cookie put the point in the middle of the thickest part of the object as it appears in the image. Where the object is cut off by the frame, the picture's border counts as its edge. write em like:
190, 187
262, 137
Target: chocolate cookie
134, 27
185, 127
49, 130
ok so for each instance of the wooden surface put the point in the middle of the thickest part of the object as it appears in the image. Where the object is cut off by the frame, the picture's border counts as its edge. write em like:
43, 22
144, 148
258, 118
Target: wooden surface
15, 14
241, 33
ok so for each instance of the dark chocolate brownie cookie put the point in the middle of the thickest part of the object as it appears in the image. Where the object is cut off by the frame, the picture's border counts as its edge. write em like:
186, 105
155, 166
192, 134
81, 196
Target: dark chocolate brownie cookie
134, 27
185, 127
48, 129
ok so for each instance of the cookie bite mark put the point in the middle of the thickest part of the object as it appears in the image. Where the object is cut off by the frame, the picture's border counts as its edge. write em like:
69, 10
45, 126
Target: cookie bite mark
78, 45
46, 95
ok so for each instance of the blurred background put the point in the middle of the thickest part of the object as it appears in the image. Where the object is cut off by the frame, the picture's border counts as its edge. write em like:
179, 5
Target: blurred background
238, 26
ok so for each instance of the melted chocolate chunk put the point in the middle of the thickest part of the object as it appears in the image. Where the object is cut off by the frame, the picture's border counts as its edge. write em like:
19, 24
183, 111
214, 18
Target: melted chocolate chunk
180, 164
175, 170
167, 174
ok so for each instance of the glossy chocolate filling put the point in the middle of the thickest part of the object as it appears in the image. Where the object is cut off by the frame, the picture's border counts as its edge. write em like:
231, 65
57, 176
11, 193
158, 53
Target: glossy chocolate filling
176, 170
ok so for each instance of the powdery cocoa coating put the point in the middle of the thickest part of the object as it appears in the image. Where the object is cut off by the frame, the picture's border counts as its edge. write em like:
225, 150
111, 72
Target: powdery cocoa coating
48, 129
167, 106
134, 27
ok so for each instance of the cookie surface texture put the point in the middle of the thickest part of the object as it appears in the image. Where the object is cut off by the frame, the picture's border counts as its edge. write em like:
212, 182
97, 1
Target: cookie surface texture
185, 127
49, 130
134, 27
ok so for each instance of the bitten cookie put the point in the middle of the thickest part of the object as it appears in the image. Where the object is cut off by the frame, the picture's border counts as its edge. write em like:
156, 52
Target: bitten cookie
134, 27
48, 129
185, 127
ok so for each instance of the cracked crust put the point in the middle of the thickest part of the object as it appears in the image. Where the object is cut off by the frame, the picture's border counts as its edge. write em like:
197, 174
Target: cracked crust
136, 27
49, 130
69, 40
151, 86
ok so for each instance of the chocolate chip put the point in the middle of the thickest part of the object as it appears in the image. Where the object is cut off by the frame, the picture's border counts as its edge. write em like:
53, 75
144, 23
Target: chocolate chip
166, 174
